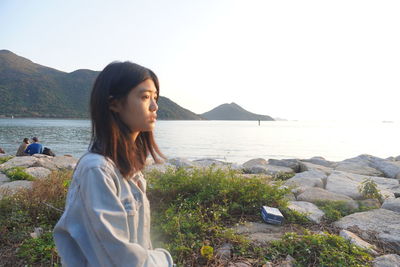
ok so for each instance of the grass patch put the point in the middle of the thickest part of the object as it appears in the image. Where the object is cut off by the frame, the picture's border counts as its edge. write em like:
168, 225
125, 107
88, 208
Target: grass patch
5, 159
195, 208
18, 173
317, 250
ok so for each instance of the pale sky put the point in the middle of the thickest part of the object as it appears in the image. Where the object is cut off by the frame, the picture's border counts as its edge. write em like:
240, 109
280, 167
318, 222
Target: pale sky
299, 60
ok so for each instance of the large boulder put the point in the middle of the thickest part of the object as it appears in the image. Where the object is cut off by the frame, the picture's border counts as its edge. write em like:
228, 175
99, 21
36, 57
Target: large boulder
307, 179
260, 232
181, 162
254, 162
358, 165
56, 163
392, 204
13, 187
294, 164
366, 164
315, 194
389, 260
38, 172
354, 239
312, 212
379, 223
320, 161
26, 161
308, 166
267, 169
348, 184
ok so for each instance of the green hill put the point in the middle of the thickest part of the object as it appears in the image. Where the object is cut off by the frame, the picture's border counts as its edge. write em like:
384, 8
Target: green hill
28, 89
233, 111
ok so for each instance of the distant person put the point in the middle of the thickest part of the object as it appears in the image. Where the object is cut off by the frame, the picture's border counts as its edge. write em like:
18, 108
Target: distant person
2, 151
35, 147
22, 148
106, 221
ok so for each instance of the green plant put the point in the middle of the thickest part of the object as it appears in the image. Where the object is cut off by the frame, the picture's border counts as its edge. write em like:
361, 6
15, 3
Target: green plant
194, 207
293, 216
369, 189
18, 173
318, 250
39, 250
5, 159
283, 176
39, 206
334, 210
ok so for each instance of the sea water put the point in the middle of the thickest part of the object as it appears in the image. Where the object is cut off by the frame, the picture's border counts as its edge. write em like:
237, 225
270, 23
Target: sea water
233, 141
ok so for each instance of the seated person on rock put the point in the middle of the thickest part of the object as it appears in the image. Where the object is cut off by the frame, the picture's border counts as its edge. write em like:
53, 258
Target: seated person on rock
2, 151
22, 148
35, 147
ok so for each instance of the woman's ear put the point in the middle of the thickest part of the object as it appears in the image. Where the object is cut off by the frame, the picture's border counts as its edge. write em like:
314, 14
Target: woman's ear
115, 105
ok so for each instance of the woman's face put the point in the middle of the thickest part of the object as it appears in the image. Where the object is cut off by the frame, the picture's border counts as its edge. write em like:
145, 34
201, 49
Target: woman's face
139, 110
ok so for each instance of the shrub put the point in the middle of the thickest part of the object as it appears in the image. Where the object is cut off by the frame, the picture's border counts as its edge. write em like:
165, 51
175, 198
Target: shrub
318, 250
334, 210
194, 208
5, 159
40, 206
40, 250
18, 173
369, 189
283, 176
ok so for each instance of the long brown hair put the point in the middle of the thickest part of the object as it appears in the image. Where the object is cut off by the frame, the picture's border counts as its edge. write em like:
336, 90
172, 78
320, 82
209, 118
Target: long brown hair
110, 136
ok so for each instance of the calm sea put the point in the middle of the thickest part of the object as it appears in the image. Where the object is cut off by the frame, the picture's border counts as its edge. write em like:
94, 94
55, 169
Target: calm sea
233, 141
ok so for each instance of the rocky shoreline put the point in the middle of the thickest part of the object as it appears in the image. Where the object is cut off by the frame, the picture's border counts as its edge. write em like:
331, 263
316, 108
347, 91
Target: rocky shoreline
312, 180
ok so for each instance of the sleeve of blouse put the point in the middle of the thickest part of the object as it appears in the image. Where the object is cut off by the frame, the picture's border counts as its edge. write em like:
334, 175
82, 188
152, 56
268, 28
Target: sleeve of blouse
107, 226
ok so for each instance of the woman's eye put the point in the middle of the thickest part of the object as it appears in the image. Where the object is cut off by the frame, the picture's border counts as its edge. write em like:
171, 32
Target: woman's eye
146, 97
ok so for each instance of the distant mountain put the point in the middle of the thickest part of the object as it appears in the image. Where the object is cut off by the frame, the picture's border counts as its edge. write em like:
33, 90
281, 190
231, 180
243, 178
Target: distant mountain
233, 111
28, 89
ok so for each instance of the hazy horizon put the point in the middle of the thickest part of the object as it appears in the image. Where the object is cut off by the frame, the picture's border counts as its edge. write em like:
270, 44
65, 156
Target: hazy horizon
308, 60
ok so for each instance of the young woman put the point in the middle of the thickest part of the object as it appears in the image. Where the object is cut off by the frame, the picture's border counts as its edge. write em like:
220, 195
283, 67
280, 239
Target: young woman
22, 147
106, 221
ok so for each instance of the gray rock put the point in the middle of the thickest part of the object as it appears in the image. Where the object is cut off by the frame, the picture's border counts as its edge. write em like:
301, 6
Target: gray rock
267, 169
358, 166
254, 162
12, 187
4, 179
210, 162
386, 167
224, 252
307, 179
312, 212
38, 172
392, 204
159, 167
307, 166
379, 223
26, 161
294, 164
315, 194
389, 260
348, 184
397, 158
56, 163
354, 239
320, 161
181, 162
260, 232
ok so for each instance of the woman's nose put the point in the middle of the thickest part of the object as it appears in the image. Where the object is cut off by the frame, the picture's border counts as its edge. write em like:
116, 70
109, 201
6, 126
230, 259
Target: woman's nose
153, 106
